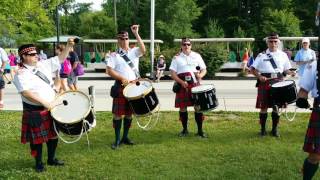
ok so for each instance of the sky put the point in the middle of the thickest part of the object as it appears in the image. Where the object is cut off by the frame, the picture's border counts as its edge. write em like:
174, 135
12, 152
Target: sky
96, 3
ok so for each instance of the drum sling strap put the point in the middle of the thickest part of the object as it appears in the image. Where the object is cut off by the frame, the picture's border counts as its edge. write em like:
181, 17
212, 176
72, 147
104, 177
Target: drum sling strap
129, 62
40, 75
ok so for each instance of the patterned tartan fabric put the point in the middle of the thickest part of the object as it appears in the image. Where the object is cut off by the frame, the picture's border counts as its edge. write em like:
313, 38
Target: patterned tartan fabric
183, 97
37, 127
264, 99
312, 139
120, 104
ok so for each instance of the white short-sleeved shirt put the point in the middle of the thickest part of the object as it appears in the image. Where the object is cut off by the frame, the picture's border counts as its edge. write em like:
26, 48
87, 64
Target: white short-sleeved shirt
3, 56
309, 79
183, 63
117, 63
263, 65
25, 79
304, 55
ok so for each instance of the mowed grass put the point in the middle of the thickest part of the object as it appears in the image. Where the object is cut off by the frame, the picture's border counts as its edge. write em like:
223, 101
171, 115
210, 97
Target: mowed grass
233, 150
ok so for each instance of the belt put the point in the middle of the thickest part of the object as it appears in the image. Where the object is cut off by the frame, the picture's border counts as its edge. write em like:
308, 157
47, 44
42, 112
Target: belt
272, 75
30, 107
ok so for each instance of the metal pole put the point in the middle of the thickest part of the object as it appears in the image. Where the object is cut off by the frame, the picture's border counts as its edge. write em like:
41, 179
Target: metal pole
58, 24
152, 38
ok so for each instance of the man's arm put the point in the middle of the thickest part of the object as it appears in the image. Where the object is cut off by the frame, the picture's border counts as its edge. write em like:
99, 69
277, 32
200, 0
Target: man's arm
135, 31
64, 54
116, 75
33, 97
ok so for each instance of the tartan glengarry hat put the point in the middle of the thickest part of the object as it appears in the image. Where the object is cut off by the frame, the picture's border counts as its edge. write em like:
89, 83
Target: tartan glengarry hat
273, 35
24, 49
184, 40
122, 34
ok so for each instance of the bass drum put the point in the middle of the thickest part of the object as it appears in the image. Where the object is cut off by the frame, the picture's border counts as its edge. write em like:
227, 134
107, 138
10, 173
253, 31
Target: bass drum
73, 114
141, 97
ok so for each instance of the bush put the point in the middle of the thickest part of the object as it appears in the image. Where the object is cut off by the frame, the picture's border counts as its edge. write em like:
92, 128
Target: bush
214, 57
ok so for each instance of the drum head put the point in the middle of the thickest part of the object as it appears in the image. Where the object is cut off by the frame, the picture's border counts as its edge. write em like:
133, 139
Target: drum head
76, 108
134, 91
201, 88
282, 83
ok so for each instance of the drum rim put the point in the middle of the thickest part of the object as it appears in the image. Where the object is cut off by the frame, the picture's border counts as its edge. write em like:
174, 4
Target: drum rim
70, 91
283, 81
204, 90
146, 92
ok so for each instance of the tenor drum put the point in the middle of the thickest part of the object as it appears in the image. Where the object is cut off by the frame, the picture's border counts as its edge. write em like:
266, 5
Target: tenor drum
284, 92
204, 97
72, 110
141, 97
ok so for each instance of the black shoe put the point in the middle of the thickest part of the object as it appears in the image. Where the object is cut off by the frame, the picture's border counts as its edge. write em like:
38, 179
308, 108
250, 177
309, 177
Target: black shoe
9, 82
202, 135
126, 141
115, 145
40, 168
183, 133
55, 162
263, 133
275, 133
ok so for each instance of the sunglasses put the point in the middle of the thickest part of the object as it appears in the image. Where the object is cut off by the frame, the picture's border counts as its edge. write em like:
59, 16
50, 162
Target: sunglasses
32, 54
273, 41
186, 44
123, 39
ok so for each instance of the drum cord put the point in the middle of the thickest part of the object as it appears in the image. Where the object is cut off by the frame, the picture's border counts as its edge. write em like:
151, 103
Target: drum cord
84, 129
294, 115
147, 127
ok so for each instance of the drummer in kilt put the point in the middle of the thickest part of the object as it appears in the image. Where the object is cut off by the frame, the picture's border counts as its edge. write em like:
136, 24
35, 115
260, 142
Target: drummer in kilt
34, 82
310, 83
119, 69
187, 69
270, 67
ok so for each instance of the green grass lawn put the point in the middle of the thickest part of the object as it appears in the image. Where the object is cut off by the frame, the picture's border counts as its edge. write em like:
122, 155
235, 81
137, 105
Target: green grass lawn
233, 150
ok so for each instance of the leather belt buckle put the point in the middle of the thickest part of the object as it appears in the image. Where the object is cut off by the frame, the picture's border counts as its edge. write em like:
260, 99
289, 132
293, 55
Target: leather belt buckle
187, 78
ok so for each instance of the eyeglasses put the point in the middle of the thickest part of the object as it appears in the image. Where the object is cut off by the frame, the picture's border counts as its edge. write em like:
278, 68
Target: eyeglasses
272, 41
32, 54
123, 39
186, 44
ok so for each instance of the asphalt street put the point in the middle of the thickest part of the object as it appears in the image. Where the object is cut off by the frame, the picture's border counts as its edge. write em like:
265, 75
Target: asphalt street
233, 95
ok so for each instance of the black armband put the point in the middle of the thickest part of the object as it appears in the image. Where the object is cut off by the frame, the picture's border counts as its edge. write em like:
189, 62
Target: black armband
302, 103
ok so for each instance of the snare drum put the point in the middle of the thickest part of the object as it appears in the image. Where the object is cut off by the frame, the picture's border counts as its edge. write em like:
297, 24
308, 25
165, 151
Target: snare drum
204, 96
284, 92
72, 108
141, 97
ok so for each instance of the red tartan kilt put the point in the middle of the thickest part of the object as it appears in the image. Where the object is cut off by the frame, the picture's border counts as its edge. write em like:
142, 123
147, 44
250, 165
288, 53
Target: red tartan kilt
120, 104
264, 99
184, 97
312, 138
37, 127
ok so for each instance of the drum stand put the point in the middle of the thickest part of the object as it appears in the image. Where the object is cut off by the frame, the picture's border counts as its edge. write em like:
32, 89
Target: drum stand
147, 127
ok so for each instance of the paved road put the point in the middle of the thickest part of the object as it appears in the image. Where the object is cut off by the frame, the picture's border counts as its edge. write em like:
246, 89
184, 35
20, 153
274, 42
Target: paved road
233, 95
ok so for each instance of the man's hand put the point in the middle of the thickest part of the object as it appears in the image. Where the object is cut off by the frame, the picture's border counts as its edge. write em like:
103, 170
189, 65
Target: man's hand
184, 84
262, 78
71, 41
135, 29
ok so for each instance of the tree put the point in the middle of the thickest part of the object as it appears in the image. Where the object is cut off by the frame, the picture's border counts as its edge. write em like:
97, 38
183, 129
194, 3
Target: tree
213, 29
96, 25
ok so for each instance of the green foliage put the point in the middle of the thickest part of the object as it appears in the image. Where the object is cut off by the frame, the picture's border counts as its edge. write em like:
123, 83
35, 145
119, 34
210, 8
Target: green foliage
96, 25
233, 150
214, 30
175, 21
282, 21
214, 57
